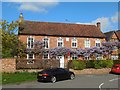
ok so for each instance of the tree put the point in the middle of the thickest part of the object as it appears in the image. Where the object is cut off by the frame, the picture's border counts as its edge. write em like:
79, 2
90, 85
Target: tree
11, 46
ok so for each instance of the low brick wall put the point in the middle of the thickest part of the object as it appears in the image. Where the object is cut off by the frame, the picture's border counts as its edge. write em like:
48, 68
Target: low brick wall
92, 71
8, 65
38, 64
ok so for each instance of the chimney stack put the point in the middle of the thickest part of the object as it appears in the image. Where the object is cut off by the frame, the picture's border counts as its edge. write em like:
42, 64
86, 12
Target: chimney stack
98, 25
21, 18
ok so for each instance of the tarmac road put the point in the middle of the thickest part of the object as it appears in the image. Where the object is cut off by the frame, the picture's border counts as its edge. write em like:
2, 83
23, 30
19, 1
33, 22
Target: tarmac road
80, 81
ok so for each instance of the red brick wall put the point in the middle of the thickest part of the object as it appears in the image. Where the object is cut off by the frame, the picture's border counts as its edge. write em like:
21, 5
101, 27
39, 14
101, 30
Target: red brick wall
8, 65
53, 40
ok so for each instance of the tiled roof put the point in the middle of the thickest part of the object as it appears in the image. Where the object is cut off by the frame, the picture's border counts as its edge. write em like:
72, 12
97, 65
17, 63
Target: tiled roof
109, 35
118, 34
59, 29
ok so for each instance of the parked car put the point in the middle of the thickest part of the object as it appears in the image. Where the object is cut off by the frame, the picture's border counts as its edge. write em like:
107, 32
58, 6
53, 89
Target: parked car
55, 74
115, 69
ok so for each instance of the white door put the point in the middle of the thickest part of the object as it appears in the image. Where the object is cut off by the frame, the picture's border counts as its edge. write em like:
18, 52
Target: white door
61, 58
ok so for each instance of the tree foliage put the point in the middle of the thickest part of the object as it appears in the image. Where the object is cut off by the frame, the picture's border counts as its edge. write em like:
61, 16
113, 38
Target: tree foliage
11, 46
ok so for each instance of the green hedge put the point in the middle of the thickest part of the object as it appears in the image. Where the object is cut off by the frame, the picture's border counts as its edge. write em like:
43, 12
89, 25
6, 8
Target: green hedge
116, 61
103, 64
97, 64
90, 64
79, 65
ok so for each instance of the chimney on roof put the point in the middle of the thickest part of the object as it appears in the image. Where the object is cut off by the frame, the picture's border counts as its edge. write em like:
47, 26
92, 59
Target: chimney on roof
21, 22
21, 18
98, 25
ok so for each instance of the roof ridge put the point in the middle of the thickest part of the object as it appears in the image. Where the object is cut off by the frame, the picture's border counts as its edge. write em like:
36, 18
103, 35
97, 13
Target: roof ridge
60, 23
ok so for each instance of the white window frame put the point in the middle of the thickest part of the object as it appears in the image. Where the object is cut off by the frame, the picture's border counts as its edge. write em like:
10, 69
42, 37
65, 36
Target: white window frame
30, 62
60, 40
74, 55
87, 58
48, 42
87, 43
97, 41
46, 58
74, 40
29, 58
30, 42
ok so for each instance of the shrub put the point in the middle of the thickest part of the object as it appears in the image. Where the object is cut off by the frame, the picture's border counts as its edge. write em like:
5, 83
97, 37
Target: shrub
78, 65
100, 64
90, 64
116, 61
109, 63
97, 65
103, 64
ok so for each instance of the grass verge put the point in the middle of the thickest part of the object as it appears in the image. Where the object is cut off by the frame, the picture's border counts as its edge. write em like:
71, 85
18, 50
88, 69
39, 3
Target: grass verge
18, 77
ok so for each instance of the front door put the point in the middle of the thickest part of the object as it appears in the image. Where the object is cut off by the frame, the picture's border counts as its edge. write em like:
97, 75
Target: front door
61, 58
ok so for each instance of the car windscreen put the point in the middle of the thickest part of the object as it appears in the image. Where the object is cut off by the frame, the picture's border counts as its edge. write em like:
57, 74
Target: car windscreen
47, 71
115, 66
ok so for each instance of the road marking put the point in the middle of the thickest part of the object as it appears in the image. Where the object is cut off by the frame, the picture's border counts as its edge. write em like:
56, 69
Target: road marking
100, 86
113, 79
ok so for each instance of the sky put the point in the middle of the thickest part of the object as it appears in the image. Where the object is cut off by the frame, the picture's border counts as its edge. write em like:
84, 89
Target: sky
64, 12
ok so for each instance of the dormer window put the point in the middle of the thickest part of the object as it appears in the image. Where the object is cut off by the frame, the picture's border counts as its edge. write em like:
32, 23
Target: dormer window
30, 42
60, 42
74, 43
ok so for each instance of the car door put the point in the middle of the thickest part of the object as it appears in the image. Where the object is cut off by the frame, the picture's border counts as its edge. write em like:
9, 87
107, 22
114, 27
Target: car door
57, 74
64, 73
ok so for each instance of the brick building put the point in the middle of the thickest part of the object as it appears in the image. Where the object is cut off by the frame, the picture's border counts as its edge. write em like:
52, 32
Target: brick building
60, 35
113, 36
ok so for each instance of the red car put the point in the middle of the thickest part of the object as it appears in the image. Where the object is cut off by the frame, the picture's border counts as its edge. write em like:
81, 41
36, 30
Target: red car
116, 69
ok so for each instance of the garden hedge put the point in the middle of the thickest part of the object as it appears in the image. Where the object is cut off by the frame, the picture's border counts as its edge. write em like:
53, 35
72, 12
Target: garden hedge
97, 64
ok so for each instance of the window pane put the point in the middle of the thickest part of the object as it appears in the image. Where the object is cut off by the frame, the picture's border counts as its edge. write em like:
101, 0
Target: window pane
45, 42
30, 42
87, 43
97, 44
45, 55
30, 56
74, 57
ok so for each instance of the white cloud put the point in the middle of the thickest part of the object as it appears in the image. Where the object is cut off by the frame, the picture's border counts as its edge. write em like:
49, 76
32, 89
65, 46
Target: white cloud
114, 18
104, 22
37, 7
107, 23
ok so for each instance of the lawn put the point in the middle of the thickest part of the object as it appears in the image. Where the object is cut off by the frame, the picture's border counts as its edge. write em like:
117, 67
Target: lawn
18, 77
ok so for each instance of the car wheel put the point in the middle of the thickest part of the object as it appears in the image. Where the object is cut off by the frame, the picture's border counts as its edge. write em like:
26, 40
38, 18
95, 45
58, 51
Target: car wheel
53, 79
72, 76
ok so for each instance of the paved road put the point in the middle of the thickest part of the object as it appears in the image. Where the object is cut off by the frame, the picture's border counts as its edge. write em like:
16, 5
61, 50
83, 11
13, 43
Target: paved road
81, 81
